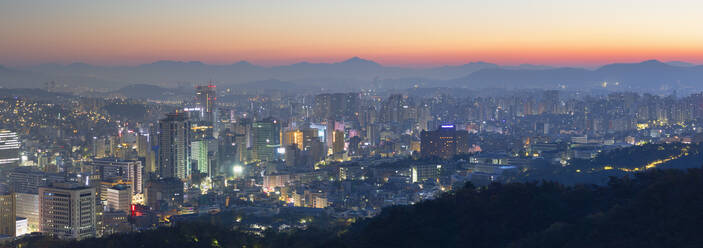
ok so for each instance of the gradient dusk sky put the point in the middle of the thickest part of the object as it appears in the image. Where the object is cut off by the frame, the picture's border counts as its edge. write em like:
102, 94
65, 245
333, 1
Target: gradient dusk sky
393, 32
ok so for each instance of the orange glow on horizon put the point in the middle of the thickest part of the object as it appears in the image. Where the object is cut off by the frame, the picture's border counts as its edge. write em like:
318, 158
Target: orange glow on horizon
393, 32
428, 57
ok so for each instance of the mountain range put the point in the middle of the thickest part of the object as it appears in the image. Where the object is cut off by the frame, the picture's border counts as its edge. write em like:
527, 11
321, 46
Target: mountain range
355, 73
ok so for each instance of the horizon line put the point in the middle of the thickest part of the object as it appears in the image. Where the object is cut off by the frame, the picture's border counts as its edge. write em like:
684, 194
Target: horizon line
418, 65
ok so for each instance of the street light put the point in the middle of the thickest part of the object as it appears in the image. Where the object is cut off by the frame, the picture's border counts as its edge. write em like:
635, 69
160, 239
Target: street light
238, 169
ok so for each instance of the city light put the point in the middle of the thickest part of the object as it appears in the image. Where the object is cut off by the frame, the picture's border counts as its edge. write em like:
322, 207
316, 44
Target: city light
238, 169
103, 153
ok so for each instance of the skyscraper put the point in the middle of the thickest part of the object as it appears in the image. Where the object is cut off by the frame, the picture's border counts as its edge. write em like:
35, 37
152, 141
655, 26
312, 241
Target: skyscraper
267, 138
199, 155
294, 137
143, 146
337, 142
301, 138
9, 148
392, 108
67, 211
337, 106
292, 155
205, 96
98, 147
240, 142
550, 100
174, 140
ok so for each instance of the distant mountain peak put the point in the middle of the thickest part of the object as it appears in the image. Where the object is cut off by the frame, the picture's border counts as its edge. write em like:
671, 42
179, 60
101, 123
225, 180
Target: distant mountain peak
243, 63
528, 67
164, 62
652, 61
358, 60
651, 64
479, 63
175, 62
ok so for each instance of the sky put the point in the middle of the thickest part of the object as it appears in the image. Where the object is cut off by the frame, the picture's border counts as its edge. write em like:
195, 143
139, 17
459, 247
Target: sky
390, 32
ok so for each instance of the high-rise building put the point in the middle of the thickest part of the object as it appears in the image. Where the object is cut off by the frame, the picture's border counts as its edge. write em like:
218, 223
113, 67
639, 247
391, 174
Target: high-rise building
310, 134
199, 155
294, 137
445, 142
226, 148
27, 206
205, 97
9, 148
240, 142
67, 211
392, 108
550, 101
337, 106
115, 143
354, 146
267, 138
117, 169
98, 147
329, 133
151, 162
292, 156
301, 138
119, 198
424, 116
316, 151
7, 214
143, 146
337, 142
174, 141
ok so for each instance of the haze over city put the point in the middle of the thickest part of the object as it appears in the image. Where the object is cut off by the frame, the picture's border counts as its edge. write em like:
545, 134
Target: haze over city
386, 123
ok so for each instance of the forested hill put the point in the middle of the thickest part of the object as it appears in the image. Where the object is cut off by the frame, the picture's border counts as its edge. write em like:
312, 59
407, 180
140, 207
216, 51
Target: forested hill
657, 208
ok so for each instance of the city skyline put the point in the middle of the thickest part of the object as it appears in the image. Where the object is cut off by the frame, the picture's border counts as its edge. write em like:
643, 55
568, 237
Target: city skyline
368, 123
418, 34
